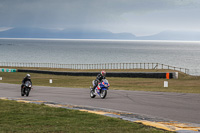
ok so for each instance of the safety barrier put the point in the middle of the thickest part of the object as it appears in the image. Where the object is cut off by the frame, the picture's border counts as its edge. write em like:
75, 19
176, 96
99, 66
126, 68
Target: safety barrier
7, 70
109, 74
97, 66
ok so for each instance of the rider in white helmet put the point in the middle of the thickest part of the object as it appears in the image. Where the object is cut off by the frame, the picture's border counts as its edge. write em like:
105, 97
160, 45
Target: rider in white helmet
27, 78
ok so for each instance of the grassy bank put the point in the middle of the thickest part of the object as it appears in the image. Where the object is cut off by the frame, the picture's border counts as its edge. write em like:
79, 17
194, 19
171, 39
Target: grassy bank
185, 83
24, 118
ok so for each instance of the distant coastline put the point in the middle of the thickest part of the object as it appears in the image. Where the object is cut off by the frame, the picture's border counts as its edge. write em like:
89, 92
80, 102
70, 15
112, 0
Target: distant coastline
100, 40
39, 33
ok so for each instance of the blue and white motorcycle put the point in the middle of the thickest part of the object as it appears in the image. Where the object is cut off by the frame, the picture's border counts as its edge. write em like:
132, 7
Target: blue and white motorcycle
100, 90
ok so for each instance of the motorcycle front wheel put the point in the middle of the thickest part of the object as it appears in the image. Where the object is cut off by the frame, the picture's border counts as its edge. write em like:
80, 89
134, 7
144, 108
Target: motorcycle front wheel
27, 90
103, 94
22, 92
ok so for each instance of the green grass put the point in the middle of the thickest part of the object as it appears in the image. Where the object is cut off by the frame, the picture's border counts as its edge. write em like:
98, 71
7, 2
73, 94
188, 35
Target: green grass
25, 118
185, 83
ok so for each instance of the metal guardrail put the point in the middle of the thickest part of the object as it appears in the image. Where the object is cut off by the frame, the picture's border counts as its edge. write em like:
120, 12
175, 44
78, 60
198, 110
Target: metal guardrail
96, 66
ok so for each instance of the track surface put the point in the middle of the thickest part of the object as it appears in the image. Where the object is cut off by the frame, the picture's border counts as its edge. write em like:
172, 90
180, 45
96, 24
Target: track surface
182, 107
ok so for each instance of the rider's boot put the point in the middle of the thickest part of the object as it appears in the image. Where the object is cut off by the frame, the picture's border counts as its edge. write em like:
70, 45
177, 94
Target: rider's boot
93, 88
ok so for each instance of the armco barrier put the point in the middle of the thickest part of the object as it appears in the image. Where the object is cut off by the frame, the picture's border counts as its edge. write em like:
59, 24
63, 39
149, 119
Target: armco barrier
109, 74
7, 70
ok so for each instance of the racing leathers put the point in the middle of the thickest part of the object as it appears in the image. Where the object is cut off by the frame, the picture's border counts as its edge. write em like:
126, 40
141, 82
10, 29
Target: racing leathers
24, 81
99, 79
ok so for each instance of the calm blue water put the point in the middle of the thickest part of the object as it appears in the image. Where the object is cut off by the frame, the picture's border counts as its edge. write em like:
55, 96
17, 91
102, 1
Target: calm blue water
179, 54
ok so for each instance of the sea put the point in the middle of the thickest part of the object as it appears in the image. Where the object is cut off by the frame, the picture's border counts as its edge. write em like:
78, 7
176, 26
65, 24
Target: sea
184, 54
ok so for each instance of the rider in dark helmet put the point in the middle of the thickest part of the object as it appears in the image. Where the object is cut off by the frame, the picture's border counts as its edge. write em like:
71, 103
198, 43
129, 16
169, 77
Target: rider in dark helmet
99, 78
27, 78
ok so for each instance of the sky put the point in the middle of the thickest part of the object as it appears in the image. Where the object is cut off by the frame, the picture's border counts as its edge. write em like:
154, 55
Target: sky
139, 17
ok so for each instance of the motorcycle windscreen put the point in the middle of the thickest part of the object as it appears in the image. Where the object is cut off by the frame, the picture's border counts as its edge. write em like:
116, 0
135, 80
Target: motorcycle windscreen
28, 84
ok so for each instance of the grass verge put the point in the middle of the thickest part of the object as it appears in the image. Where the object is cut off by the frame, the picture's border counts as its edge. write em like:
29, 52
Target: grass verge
24, 118
185, 83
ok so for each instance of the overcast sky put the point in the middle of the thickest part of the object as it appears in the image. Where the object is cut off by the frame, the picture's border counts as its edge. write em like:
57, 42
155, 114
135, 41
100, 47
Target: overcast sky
139, 17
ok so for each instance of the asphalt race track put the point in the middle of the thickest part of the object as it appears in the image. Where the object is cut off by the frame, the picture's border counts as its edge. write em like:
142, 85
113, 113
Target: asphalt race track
180, 107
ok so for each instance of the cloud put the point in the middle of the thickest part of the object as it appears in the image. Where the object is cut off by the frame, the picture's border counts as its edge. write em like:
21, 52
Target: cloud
115, 15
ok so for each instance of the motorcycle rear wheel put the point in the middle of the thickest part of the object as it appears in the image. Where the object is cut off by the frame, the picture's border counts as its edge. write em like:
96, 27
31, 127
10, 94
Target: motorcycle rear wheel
92, 95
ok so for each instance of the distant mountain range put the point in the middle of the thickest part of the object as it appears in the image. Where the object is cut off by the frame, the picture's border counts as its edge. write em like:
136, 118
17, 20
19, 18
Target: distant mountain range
174, 35
64, 34
94, 34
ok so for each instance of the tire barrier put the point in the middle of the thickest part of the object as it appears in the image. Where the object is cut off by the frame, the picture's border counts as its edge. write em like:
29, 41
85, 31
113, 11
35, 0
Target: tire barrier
109, 74
7, 70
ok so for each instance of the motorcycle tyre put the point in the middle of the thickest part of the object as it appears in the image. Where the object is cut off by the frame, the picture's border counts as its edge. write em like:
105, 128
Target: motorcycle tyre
22, 92
27, 92
103, 96
92, 95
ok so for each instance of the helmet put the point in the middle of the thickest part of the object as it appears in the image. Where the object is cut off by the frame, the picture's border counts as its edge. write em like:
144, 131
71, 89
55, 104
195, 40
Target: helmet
103, 73
28, 76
